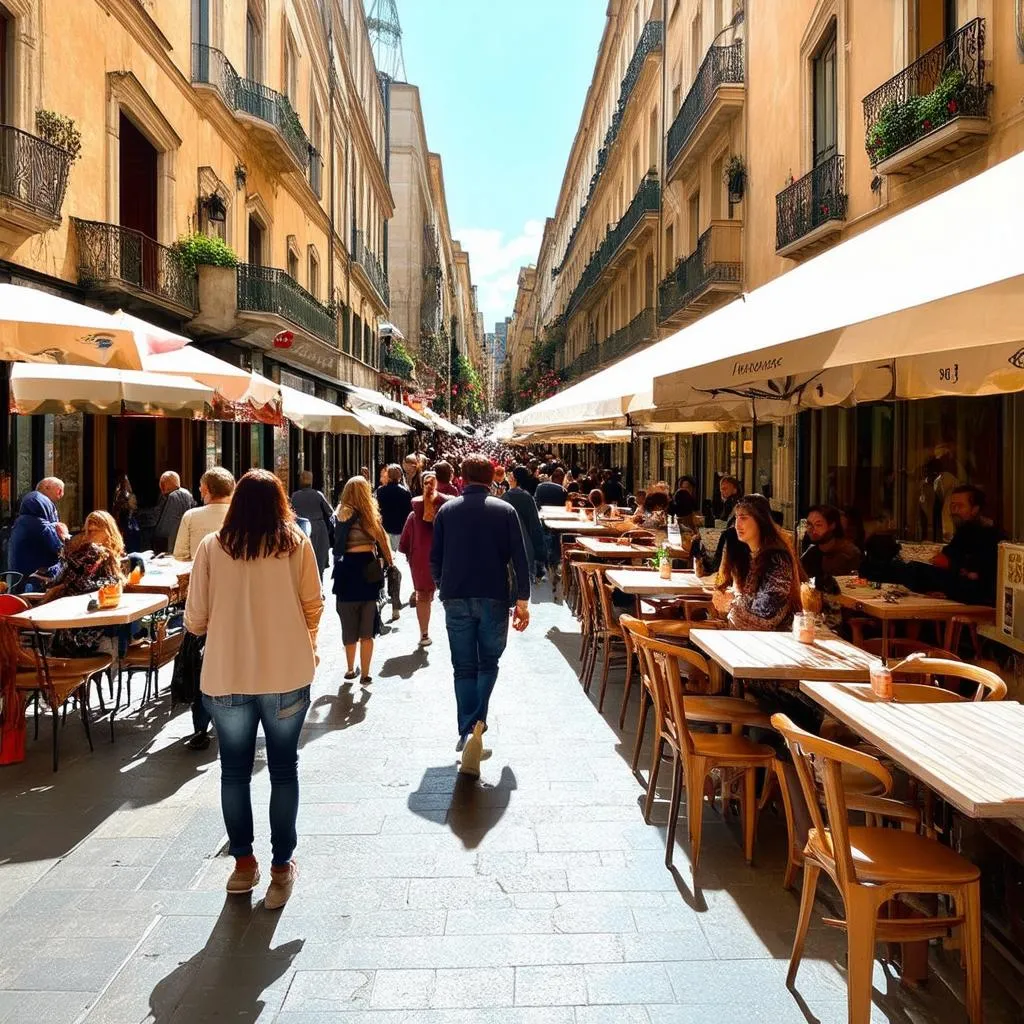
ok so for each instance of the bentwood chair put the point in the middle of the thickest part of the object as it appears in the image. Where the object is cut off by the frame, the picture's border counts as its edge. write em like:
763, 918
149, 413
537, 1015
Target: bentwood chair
149, 655
986, 684
696, 754
872, 865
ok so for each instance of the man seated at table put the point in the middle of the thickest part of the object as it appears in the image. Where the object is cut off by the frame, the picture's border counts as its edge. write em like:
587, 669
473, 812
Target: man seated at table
829, 552
37, 536
965, 569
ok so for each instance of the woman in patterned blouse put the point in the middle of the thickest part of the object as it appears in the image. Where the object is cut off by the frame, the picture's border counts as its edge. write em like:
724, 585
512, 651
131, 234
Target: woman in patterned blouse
760, 577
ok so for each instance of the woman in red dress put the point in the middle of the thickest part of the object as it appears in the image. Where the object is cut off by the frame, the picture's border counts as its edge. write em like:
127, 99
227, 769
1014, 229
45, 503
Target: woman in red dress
415, 542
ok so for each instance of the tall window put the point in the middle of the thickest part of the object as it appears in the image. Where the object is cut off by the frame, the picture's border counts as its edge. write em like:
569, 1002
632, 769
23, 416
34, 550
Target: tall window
293, 264
314, 273
694, 221
255, 242
253, 45
670, 246
6, 65
654, 140
201, 22
696, 45
291, 71
826, 104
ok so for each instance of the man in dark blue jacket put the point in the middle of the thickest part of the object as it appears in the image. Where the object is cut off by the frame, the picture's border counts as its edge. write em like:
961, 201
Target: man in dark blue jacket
37, 536
478, 560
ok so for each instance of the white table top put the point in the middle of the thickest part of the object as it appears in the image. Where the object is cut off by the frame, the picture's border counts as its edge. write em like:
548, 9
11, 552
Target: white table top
971, 753
70, 612
648, 583
869, 600
547, 512
607, 548
751, 654
579, 526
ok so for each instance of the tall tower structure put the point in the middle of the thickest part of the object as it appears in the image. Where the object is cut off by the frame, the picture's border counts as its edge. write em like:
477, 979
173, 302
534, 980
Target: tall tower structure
386, 36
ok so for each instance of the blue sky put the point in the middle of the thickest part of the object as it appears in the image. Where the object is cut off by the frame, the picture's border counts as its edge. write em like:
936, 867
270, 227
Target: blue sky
502, 86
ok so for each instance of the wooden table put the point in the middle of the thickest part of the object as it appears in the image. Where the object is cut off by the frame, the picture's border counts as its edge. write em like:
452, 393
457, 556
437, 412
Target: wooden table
600, 547
752, 654
169, 577
970, 753
547, 512
648, 583
580, 526
70, 612
913, 607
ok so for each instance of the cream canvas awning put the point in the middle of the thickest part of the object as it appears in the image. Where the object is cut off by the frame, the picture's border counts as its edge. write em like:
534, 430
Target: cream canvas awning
364, 398
440, 423
42, 388
382, 426
316, 415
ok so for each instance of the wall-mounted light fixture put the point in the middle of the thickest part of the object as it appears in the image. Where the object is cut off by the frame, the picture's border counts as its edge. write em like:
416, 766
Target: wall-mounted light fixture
240, 176
216, 208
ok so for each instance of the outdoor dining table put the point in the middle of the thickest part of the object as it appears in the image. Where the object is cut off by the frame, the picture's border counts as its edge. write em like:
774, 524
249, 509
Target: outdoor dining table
752, 654
547, 512
970, 753
169, 577
601, 547
579, 526
647, 583
910, 607
71, 612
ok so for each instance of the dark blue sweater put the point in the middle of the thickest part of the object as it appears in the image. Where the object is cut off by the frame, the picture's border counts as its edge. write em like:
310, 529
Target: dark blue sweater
475, 538
34, 543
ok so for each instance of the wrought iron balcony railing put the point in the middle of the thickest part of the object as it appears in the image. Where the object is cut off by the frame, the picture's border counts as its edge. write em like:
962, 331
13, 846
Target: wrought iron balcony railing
693, 275
721, 66
109, 254
211, 67
816, 199
650, 41
268, 290
397, 364
640, 330
316, 172
945, 83
33, 172
372, 267
586, 362
647, 200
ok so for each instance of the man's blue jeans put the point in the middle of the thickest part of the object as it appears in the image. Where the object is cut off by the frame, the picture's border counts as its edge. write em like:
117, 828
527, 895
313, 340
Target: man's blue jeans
237, 718
477, 633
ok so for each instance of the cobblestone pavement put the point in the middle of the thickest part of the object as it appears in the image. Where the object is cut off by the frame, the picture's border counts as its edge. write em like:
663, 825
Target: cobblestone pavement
536, 896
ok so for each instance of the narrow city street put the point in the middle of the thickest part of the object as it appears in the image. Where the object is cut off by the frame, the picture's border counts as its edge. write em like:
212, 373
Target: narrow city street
536, 896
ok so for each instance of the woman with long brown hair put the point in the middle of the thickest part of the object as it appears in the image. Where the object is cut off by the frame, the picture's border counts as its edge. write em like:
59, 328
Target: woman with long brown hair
761, 575
360, 545
255, 594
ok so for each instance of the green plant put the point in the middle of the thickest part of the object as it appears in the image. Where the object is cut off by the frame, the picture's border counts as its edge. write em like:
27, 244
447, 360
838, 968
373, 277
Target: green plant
198, 250
660, 557
290, 121
735, 176
397, 360
60, 131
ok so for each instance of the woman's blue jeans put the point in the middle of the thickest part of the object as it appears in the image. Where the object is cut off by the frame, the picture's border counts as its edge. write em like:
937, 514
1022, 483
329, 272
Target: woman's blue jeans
237, 718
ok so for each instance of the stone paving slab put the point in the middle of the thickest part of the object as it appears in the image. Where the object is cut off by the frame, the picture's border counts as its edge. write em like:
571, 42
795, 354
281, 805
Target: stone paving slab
534, 896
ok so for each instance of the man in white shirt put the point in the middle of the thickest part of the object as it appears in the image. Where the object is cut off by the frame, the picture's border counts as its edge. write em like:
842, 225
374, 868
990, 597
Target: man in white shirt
215, 488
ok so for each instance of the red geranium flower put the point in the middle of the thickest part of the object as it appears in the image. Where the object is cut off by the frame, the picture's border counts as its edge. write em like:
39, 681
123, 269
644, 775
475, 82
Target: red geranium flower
952, 106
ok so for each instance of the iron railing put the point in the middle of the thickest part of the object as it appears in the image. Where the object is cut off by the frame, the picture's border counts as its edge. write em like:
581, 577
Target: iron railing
111, 254
647, 200
650, 41
641, 329
316, 172
33, 172
268, 290
433, 356
398, 364
367, 259
586, 362
693, 275
211, 67
814, 200
723, 65
945, 83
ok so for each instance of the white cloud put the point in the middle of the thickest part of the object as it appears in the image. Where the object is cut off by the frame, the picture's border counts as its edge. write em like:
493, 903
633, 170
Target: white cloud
495, 261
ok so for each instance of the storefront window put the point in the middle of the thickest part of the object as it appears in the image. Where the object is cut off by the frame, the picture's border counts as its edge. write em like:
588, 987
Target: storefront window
64, 443
214, 445
255, 446
23, 482
281, 453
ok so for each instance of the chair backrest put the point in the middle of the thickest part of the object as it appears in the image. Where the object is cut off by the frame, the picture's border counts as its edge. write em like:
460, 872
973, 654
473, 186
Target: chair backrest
10, 604
818, 763
902, 647
585, 574
989, 685
924, 693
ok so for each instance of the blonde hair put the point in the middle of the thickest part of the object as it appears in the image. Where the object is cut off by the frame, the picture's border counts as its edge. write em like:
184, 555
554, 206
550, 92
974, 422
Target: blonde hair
104, 521
357, 497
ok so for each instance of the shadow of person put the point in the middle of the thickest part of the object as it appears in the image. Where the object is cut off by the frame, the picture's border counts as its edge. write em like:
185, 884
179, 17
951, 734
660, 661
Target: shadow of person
230, 976
469, 807
333, 712
403, 666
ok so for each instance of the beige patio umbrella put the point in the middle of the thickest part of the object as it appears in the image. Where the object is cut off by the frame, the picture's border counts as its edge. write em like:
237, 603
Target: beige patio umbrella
316, 415
41, 388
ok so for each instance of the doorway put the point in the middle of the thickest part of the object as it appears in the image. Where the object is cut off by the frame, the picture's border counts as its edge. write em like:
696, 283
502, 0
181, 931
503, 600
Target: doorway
137, 201
255, 242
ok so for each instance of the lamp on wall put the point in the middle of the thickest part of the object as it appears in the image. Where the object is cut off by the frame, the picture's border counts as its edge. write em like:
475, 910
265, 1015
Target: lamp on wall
240, 176
216, 208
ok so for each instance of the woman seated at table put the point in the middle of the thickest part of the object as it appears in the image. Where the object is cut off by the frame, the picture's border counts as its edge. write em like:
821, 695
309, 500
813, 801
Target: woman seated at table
596, 498
90, 560
760, 577
653, 514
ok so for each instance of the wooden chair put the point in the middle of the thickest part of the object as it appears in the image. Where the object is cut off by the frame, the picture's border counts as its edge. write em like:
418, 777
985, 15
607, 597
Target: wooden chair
149, 654
871, 866
988, 685
55, 680
569, 548
902, 647
609, 634
588, 620
696, 754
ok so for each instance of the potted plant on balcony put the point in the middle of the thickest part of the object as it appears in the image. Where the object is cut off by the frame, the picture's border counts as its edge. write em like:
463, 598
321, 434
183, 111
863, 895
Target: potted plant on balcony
214, 261
59, 131
736, 178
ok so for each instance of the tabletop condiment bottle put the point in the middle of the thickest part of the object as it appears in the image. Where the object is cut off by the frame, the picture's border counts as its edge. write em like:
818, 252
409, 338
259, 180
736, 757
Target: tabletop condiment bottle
803, 627
881, 680
665, 565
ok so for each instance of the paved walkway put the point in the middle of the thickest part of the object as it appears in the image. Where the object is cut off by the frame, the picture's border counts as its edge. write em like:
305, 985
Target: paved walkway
536, 896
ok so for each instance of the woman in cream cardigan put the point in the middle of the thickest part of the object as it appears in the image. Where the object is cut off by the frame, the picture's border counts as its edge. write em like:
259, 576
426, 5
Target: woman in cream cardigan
255, 594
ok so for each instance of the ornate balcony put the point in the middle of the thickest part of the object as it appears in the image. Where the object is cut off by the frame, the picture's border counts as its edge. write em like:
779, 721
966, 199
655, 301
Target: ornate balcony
267, 115
585, 363
933, 110
712, 273
141, 271
640, 218
316, 172
33, 180
809, 214
714, 99
271, 291
639, 332
396, 363
371, 267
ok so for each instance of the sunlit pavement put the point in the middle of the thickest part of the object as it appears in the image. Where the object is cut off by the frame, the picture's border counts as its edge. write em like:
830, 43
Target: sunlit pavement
534, 896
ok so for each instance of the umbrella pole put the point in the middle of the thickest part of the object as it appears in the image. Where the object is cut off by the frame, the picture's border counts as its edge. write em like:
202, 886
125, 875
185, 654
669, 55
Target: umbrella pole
753, 448
796, 483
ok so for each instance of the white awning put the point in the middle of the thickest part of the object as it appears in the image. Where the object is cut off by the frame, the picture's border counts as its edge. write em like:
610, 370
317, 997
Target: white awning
316, 415
39, 327
389, 330
364, 398
232, 383
42, 388
440, 423
383, 426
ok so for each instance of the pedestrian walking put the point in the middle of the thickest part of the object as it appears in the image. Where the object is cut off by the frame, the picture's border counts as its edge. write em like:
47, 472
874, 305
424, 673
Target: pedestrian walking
255, 594
362, 558
311, 504
526, 508
477, 541
175, 501
415, 543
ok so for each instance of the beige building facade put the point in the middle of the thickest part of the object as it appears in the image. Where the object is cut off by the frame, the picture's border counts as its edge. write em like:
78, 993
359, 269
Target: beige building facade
260, 122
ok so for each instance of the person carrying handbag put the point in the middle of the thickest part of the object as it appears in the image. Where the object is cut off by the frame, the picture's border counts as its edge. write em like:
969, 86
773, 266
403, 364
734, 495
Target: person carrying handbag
362, 560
